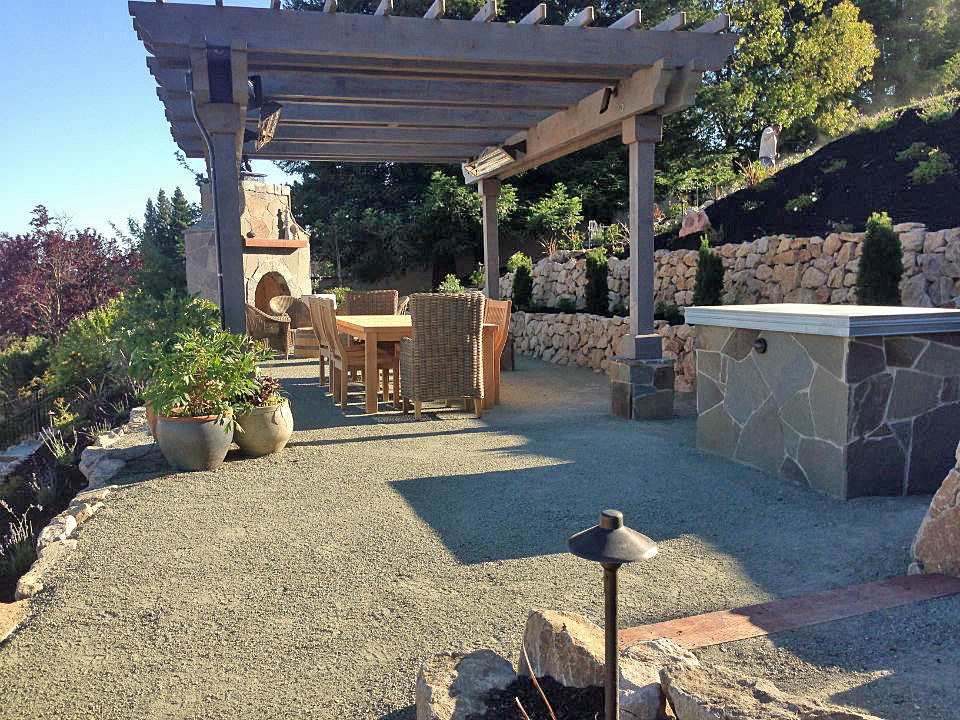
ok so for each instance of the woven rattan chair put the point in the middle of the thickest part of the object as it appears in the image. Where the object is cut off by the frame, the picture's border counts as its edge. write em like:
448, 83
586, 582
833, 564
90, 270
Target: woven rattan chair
347, 358
403, 304
324, 349
370, 302
443, 359
296, 308
275, 329
498, 312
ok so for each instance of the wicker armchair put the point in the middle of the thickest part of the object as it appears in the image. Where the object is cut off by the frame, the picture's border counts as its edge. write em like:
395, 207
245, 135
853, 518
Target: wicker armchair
443, 359
294, 307
403, 304
498, 312
275, 329
369, 302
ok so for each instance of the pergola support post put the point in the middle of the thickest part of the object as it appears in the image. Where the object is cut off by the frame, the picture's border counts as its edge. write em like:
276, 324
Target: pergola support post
223, 124
642, 381
489, 190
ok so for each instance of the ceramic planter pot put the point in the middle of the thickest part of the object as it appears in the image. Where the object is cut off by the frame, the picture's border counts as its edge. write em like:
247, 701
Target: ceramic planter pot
265, 429
199, 443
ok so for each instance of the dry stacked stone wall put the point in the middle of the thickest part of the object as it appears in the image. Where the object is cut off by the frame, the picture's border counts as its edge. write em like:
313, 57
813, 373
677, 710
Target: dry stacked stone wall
771, 269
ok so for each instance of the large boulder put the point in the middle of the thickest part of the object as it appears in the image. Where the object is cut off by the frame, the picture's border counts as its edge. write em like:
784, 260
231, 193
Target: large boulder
936, 547
718, 693
570, 649
452, 686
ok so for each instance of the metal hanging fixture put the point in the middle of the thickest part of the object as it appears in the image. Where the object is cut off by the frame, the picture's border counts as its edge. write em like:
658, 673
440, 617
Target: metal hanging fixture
611, 544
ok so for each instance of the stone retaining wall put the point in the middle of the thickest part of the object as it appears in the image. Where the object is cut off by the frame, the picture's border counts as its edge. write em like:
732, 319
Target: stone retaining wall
777, 268
592, 340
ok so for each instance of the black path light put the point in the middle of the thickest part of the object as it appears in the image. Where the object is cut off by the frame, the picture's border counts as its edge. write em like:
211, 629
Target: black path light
611, 544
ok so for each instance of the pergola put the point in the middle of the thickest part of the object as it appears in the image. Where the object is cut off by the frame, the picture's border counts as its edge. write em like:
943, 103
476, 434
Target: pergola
496, 98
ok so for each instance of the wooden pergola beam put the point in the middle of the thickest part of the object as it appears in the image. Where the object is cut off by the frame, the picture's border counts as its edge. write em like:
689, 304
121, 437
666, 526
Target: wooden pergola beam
674, 22
405, 38
510, 121
628, 21
399, 136
535, 16
581, 19
384, 8
486, 13
345, 90
435, 11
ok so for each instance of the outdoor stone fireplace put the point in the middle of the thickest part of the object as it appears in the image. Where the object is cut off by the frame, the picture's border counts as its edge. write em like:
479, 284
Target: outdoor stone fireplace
276, 250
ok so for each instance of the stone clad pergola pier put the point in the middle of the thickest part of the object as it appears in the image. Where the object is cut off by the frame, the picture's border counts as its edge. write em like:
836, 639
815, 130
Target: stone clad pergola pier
496, 98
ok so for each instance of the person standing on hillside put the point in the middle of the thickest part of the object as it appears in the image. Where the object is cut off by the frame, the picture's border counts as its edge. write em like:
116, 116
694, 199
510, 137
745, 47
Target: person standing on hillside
768, 145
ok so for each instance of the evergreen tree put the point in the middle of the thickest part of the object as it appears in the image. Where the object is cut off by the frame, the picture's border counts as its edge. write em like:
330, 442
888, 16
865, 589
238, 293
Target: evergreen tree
708, 287
881, 263
160, 239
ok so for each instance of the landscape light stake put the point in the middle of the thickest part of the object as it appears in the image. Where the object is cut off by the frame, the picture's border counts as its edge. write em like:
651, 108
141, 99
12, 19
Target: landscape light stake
611, 544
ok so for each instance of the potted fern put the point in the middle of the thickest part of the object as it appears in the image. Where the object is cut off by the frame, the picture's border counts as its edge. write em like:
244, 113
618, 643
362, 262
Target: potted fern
264, 418
195, 387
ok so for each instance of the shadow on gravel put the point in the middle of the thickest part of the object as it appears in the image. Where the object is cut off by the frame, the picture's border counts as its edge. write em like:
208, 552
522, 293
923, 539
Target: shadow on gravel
407, 713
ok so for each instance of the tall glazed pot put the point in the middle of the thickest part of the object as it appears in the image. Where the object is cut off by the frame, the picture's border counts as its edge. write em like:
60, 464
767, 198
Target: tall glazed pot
194, 443
265, 430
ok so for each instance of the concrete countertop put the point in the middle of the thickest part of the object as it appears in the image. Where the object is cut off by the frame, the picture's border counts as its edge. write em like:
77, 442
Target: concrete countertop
835, 320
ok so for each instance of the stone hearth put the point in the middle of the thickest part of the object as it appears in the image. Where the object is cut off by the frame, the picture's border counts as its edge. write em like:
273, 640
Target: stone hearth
276, 252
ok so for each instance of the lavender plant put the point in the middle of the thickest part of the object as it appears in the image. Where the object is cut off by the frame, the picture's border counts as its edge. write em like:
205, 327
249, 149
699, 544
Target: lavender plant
17, 548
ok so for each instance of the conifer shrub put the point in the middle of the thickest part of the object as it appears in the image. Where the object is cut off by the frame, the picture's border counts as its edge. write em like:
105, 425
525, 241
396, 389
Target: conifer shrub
881, 263
596, 290
709, 282
522, 267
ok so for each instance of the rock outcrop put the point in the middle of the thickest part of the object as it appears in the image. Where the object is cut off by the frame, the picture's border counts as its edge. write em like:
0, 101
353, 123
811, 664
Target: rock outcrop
718, 693
936, 547
453, 686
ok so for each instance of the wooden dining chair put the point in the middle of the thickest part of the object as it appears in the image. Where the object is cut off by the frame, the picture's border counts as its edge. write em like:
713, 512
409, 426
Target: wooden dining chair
498, 312
443, 357
347, 358
325, 351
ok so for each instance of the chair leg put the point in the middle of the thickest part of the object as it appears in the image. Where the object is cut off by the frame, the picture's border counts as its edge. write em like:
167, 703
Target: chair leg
478, 407
496, 370
334, 384
417, 404
386, 385
406, 405
344, 384
449, 402
466, 404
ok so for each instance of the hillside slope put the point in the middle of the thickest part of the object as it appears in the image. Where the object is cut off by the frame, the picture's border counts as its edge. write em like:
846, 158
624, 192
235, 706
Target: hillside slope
866, 177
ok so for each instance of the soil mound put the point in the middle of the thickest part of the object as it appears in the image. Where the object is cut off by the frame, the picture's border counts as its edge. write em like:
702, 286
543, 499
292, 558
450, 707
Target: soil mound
851, 178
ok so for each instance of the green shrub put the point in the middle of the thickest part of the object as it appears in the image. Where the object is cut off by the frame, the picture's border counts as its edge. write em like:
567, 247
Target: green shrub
881, 264
596, 290
800, 202
750, 205
338, 293
836, 166
932, 169
668, 311
566, 305
86, 353
839, 227
708, 288
522, 268
478, 278
451, 284
18, 549
22, 365
916, 151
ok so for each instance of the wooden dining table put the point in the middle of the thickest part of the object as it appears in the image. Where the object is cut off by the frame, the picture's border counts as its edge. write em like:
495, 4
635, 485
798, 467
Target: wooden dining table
385, 328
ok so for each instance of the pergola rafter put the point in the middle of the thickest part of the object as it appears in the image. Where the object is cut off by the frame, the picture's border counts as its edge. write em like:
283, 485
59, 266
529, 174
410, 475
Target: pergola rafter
496, 98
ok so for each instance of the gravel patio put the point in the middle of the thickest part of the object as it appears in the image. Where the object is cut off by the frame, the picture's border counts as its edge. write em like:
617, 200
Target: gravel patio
312, 584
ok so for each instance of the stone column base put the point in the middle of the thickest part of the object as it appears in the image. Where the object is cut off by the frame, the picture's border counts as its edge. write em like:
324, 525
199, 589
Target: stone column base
641, 389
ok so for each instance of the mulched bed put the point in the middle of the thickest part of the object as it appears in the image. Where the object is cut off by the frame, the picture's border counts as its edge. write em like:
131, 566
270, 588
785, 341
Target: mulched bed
567, 703
873, 180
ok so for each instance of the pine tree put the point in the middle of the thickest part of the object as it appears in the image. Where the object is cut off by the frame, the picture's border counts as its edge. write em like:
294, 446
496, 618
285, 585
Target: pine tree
161, 242
709, 282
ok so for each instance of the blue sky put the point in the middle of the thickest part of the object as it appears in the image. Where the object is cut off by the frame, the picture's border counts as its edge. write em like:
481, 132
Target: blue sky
82, 129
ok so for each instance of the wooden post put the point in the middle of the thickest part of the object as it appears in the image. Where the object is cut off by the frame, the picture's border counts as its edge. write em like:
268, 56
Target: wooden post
489, 193
640, 132
223, 124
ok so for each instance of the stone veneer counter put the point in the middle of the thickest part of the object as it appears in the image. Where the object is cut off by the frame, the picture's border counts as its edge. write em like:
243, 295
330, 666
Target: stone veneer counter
852, 400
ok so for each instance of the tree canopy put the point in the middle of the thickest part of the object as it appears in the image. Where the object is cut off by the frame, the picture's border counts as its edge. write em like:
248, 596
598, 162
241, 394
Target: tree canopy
160, 239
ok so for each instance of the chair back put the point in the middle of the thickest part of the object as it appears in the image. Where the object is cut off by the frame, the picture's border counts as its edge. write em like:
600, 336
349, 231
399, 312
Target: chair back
446, 337
328, 316
294, 307
498, 312
316, 322
370, 302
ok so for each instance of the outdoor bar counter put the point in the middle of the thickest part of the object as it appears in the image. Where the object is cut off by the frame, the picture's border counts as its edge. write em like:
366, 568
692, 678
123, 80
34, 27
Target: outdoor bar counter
851, 400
